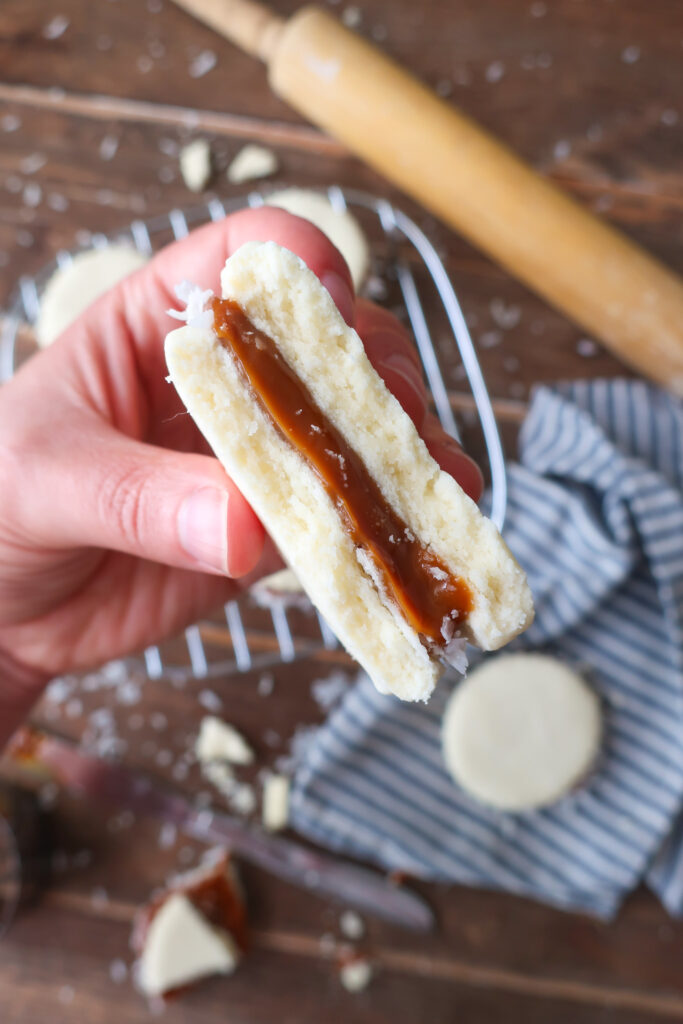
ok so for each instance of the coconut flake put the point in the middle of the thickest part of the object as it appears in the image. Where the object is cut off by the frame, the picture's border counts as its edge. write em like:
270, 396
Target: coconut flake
455, 654
447, 628
195, 313
356, 975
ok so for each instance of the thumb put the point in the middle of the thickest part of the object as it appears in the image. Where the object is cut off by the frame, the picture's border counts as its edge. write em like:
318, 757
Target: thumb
160, 505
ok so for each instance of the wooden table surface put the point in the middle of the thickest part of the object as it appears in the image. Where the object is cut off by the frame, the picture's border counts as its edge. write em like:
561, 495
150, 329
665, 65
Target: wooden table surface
95, 99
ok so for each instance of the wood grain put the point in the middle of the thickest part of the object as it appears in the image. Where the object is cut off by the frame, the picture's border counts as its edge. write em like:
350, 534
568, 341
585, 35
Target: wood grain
589, 92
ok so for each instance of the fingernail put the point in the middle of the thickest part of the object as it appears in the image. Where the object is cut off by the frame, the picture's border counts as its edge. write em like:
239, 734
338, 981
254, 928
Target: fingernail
341, 293
203, 528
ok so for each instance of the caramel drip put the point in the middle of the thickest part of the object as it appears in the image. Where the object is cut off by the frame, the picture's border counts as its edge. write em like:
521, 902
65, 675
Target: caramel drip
427, 593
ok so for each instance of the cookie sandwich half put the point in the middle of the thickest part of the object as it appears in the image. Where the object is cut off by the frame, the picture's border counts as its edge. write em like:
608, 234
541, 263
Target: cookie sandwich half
390, 549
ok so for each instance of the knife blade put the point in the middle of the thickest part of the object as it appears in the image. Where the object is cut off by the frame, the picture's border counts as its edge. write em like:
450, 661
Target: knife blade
303, 866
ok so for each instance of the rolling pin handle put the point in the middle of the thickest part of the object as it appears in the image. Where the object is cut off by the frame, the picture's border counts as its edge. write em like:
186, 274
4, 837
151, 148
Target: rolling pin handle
250, 25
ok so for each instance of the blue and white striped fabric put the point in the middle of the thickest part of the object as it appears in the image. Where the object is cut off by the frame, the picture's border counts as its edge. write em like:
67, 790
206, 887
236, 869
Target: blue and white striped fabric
596, 518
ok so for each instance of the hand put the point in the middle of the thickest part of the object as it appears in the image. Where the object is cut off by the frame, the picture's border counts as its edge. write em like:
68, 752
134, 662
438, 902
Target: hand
117, 525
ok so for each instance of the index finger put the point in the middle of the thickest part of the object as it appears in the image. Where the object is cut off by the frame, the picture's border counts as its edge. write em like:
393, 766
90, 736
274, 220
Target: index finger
394, 356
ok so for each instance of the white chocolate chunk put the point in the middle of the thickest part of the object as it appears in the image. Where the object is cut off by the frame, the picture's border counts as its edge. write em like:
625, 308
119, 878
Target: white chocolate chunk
252, 162
74, 287
220, 741
356, 975
275, 807
521, 731
352, 925
181, 947
340, 226
195, 165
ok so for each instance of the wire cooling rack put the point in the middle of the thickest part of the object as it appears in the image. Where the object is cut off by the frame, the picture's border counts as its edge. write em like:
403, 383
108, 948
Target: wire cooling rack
406, 266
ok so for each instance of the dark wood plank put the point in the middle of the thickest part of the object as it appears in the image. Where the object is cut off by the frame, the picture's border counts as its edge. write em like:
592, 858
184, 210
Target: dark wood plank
72, 980
105, 864
563, 72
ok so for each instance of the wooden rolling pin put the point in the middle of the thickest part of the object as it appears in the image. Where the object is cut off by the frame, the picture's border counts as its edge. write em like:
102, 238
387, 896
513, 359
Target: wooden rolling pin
595, 275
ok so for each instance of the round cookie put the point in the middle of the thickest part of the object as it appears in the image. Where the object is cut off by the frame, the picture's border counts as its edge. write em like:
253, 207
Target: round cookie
521, 731
340, 226
72, 288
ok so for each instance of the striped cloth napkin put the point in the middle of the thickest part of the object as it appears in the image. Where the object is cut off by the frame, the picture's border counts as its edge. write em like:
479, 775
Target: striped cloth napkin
596, 518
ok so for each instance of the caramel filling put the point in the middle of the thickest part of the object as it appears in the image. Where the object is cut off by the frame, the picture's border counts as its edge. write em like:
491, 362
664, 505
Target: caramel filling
431, 599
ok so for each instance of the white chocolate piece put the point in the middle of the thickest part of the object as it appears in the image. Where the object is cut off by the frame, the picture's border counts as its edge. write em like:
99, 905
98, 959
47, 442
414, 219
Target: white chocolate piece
351, 925
275, 806
220, 775
243, 799
240, 796
181, 947
356, 975
521, 731
283, 298
340, 226
73, 288
252, 162
219, 741
195, 165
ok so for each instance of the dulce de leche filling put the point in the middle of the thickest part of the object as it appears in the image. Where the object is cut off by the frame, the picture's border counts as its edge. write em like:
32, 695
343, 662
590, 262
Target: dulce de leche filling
429, 596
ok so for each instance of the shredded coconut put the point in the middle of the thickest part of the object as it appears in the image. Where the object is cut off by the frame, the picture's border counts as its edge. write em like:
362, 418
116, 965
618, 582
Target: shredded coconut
455, 654
202, 64
447, 628
504, 315
210, 701
195, 313
118, 971
299, 748
265, 685
56, 27
327, 692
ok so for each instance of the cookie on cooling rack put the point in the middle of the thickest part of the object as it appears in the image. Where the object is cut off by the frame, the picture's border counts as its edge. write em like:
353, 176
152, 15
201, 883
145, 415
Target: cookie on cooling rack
72, 288
340, 226
398, 559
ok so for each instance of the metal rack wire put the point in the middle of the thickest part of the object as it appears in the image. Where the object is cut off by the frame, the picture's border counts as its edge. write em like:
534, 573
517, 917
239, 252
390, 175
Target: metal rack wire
278, 639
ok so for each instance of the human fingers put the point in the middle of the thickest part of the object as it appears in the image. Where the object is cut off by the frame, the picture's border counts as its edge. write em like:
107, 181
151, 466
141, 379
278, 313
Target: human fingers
20, 688
393, 355
200, 257
452, 459
100, 488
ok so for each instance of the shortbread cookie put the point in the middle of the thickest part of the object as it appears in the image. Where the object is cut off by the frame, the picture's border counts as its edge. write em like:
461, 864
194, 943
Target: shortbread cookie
521, 731
340, 226
72, 288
